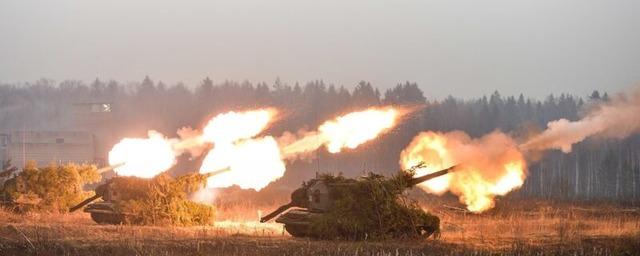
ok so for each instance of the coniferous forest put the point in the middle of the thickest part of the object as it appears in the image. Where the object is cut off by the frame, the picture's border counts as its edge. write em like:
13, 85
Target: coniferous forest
595, 169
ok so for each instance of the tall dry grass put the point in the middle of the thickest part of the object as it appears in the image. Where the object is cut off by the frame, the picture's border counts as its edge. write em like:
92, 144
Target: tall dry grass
531, 227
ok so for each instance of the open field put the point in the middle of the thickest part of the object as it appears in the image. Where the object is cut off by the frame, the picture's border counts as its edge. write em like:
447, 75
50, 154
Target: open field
530, 227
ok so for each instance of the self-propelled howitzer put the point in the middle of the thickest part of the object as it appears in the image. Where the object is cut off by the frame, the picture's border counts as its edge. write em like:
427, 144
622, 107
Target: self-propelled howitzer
315, 199
112, 192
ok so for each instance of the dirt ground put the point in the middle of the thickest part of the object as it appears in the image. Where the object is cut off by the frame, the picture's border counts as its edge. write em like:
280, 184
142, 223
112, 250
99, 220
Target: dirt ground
523, 228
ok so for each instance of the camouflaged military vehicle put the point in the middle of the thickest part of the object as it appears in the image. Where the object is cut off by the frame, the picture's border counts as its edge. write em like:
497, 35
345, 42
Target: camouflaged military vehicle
335, 206
49, 188
127, 189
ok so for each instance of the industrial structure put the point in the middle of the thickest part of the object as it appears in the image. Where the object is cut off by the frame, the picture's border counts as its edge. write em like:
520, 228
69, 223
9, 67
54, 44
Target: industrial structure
88, 142
45, 147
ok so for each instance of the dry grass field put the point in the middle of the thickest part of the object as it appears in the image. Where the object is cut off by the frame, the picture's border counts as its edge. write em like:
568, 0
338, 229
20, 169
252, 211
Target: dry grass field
522, 228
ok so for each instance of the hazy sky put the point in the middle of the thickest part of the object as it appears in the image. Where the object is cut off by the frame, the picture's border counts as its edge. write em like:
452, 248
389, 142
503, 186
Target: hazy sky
463, 48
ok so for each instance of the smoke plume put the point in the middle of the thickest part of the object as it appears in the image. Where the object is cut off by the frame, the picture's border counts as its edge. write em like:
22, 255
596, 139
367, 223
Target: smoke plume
617, 118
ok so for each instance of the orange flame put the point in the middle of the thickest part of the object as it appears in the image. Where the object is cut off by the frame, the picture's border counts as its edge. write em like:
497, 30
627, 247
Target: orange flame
254, 162
233, 126
353, 129
143, 157
347, 131
147, 157
488, 167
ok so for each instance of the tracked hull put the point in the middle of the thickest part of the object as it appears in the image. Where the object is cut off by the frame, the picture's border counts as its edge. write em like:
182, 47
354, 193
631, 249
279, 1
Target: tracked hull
315, 202
297, 222
104, 213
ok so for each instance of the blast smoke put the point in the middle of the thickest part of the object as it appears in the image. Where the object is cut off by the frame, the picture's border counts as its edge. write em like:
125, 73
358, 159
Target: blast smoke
230, 134
487, 167
191, 141
254, 161
204, 196
494, 165
299, 145
617, 118
234, 140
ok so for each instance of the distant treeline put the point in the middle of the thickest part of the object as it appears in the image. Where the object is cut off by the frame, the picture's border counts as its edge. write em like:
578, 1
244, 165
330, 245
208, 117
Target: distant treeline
596, 169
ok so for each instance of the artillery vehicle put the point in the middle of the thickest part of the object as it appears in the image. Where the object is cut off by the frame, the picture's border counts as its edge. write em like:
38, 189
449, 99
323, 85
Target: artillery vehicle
24, 190
317, 198
119, 189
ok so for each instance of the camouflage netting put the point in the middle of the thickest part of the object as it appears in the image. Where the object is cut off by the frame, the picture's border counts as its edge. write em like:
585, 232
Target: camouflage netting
162, 200
52, 188
372, 208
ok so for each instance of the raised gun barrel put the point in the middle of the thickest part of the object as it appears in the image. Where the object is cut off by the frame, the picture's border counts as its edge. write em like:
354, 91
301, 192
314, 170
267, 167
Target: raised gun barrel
214, 173
100, 192
85, 202
275, 213
109, 168
417, 180
298, 199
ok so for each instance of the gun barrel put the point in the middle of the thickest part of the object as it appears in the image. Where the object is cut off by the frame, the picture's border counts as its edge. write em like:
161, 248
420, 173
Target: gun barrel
418, 180
214, 173
85, 202
275, 213
109, 168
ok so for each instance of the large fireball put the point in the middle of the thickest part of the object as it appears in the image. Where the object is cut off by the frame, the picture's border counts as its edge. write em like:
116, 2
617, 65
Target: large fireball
254, 162
143, 157
487, 167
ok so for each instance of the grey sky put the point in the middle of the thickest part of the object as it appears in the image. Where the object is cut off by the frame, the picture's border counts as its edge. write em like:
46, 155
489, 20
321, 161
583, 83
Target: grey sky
463, 48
